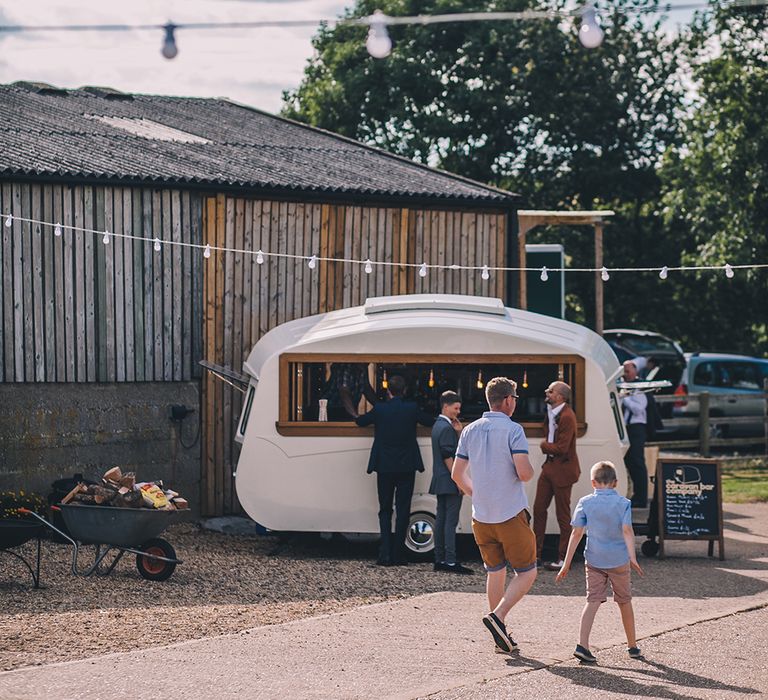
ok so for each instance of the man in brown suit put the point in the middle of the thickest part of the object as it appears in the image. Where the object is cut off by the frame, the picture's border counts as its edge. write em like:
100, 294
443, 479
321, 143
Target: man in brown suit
560, 470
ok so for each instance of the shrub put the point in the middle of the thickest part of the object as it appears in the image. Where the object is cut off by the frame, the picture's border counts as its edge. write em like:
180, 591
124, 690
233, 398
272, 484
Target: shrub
11, 501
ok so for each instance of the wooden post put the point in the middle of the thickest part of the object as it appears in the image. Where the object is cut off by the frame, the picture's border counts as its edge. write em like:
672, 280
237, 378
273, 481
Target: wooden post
765, 414
704, 424
599, 325
523, 282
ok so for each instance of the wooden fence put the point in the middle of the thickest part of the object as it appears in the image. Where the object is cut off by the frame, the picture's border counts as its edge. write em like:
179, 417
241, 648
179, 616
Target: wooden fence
707, 426
244, 299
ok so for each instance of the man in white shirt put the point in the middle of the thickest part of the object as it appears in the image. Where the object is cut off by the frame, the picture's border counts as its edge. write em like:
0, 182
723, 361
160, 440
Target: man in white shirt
496, 450
634, 406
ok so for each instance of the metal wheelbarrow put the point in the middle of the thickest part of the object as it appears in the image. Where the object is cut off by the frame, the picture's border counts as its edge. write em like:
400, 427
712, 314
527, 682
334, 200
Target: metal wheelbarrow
14, 533
131, 530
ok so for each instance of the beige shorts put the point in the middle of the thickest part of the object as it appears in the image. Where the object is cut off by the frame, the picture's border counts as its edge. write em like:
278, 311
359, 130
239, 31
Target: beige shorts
511, 542
597, 584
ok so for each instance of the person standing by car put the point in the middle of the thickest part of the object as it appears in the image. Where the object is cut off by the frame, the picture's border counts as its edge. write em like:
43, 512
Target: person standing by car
395, 457
559, 472
445, 438
634, 406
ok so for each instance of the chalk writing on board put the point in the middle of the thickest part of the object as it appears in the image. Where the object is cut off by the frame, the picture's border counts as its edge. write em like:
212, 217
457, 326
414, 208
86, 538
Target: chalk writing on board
688, 502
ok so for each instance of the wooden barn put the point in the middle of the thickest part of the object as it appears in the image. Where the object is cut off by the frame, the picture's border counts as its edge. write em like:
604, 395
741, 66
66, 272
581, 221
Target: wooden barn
102, 335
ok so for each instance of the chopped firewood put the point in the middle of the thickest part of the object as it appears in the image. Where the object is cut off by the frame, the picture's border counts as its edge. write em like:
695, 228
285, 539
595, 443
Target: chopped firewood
84, 498
77, 489
130, 499
114, 474
128, 480
180, 503
104, 494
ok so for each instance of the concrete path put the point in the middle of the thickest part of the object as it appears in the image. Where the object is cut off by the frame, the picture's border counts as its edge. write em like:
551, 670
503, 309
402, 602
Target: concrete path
435, 644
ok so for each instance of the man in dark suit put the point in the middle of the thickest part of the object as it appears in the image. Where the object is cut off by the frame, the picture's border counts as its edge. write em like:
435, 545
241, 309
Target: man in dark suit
395, 457
560, 470
445, 439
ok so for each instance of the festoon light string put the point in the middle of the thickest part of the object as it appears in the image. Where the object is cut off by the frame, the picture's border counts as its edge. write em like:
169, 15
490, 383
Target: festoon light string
378, 42
367, 264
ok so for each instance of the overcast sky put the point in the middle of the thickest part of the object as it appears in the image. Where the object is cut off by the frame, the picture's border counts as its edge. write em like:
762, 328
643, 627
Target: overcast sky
252, 66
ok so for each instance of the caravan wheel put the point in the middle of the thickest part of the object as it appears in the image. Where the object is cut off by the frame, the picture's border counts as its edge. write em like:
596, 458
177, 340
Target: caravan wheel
421, 534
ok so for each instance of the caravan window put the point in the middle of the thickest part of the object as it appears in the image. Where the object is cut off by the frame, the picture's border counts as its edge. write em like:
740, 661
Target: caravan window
319, 394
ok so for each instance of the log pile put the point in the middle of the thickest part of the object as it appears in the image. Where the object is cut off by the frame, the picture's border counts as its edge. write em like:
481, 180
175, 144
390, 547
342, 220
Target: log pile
121, 490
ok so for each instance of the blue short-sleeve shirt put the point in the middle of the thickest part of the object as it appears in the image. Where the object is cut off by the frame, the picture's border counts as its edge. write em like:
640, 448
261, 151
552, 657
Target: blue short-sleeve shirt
603, 514
489, 445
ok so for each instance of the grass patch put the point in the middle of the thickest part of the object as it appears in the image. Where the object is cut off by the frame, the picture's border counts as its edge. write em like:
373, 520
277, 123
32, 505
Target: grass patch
745, 481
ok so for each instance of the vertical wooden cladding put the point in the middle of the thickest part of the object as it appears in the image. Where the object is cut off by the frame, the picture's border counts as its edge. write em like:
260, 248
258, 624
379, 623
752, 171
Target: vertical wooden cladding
244, 299
76, 310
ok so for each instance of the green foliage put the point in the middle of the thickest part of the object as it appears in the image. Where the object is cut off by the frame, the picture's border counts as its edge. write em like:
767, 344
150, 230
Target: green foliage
518, 104
715, 185
11, 501
524, 106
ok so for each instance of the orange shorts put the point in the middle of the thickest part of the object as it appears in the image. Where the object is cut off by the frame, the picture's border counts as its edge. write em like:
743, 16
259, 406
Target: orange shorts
511, 542
597, 584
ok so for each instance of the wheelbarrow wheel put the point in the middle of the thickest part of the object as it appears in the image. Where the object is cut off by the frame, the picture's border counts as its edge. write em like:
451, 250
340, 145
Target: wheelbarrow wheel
156, 569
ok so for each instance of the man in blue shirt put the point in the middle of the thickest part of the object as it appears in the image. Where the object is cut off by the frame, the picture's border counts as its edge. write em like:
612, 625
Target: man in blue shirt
496, 450
610, 552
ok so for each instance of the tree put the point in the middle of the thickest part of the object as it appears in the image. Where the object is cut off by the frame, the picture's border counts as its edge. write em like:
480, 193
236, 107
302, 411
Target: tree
518, 104
715, 185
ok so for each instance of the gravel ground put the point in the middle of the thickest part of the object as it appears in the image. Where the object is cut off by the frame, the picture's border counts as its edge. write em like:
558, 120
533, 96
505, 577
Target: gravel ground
231, 583
226, 584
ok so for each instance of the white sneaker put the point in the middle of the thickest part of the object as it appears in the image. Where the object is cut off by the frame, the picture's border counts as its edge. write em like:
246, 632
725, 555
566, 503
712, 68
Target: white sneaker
554, 565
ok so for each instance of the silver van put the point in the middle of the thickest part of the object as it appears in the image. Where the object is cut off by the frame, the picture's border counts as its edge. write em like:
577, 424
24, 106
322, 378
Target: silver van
735, 386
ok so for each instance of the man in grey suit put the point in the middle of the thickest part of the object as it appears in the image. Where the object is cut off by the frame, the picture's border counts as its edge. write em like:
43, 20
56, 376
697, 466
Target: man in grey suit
445, 438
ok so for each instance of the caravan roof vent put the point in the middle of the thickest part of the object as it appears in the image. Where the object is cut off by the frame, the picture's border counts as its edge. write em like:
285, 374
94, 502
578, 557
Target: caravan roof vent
436, 302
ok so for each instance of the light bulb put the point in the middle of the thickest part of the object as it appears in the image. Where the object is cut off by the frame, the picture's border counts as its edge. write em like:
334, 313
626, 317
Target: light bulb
479, 383
431, 381
454, 266
544, 274
157, 245
259, 257
105, 240
525, 379
590, 33
384, 382
378, 43
57, 230
728, 271
604, 274
169, 49
312, 264
664, 272
423, 270
486, 274
9, 221
368, 267
207, 251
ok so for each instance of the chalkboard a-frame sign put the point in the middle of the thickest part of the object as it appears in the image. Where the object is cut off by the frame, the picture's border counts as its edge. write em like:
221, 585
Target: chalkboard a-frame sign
691, 502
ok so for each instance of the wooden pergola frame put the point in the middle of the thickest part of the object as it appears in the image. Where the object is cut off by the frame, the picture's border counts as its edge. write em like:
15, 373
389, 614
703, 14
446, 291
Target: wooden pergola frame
528, 219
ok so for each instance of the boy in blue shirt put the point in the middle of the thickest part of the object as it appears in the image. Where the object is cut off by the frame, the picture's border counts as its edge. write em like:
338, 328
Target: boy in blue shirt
609, 555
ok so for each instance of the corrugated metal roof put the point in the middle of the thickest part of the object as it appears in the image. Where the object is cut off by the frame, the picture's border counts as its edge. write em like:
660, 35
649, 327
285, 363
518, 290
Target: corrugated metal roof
81, 134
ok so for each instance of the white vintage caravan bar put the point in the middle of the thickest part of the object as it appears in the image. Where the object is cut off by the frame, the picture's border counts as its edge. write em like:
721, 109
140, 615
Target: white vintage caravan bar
303, 467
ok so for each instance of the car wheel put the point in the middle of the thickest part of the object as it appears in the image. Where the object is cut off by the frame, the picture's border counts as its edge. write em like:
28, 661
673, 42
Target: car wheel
420, 539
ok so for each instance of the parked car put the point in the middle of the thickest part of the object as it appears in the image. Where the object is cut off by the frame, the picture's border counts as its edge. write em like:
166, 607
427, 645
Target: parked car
666, 353
722, 375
